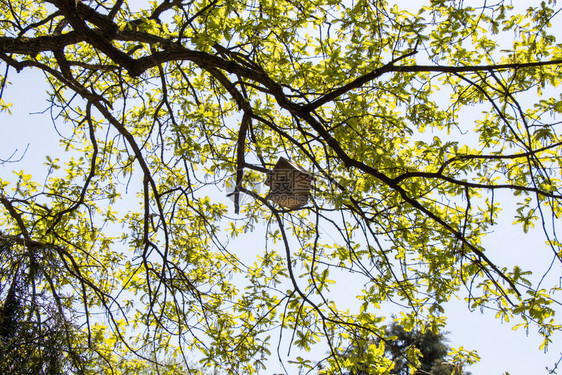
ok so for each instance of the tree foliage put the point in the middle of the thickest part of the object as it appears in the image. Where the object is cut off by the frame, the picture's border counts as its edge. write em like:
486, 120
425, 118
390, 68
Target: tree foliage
36, 335
431, 347
413, 122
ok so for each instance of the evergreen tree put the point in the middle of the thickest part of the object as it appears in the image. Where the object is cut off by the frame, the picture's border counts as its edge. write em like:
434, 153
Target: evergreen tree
429, 348
36, 337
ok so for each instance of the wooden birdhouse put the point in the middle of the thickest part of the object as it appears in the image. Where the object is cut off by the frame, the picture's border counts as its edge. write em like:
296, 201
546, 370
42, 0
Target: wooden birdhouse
289, 184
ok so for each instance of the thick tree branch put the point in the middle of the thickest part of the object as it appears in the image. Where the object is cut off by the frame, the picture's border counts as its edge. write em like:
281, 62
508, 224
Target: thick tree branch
467, 184
36, 45
356, 83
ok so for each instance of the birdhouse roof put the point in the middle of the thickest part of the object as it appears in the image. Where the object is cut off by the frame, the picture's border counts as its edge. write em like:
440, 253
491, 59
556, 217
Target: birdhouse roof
283, 163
